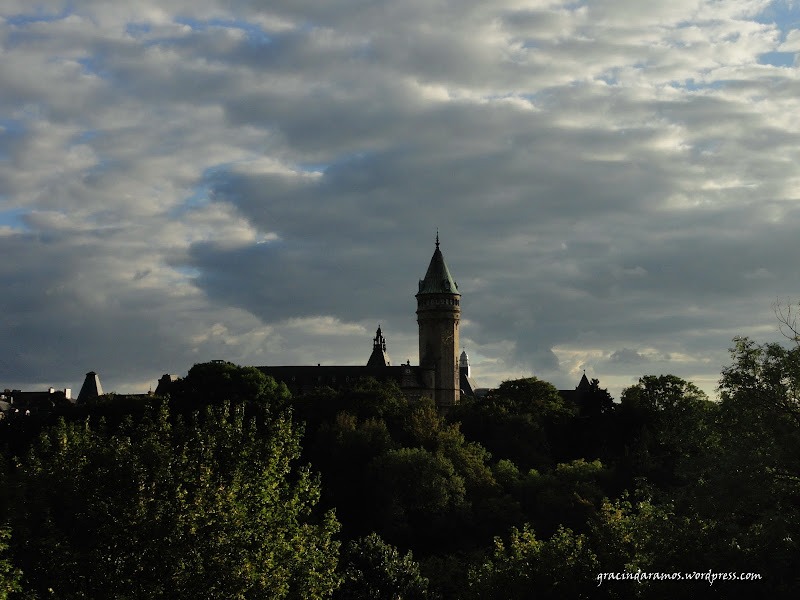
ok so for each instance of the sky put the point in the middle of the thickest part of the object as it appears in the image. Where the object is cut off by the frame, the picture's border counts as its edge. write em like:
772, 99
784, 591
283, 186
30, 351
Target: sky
615, 183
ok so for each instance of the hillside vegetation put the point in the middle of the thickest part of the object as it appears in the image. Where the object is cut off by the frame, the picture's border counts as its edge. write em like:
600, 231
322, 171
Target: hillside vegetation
229, 488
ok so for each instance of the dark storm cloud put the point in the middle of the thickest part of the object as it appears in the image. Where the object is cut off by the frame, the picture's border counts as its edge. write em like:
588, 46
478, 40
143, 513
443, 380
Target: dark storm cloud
627, 356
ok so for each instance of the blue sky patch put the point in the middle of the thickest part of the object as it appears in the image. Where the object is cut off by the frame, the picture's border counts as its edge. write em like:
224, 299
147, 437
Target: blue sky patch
312, 167
14, 218
38, 16
11, 131
784, 13
137, 29
94, 65
11, 126
85, 137
777, 59
203, 191
255, 35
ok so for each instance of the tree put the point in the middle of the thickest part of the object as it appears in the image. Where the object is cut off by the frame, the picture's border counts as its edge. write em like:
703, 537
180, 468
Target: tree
564, 566
213, 382
426, 428
760, 416
568, 496
9, 576
415, 481
787, 319
665, 420
755, 478
764, 379
375, 570
342, 450
530, 396
657, 537
524, 420
213, 507
732, 501
597, 401
664, 394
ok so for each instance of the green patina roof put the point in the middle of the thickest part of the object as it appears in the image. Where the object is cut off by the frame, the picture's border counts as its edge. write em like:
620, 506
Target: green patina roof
438, 279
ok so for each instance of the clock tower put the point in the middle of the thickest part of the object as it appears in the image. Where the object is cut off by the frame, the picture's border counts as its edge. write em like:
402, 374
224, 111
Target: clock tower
438, 312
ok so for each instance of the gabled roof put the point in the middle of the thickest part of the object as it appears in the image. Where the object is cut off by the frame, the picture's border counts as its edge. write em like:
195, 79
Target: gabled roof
438, 279
467, 384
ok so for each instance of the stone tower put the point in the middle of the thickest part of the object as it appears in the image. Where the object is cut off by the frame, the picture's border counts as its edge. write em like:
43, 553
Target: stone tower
438, 312
91, 387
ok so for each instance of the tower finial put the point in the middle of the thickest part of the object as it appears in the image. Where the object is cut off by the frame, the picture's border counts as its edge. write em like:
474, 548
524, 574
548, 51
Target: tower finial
437, 238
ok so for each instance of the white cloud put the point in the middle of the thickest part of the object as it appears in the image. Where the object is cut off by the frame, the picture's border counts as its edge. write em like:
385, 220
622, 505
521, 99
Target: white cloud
183, 181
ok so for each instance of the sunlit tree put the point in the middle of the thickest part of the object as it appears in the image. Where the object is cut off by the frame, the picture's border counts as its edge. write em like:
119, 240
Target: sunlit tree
214, 507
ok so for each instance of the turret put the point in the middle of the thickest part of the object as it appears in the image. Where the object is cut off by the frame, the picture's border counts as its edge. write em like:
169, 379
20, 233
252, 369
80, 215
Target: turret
438, 313
463, 363
378, 358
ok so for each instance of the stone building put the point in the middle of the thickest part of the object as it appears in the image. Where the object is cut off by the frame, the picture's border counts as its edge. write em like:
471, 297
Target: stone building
441, 375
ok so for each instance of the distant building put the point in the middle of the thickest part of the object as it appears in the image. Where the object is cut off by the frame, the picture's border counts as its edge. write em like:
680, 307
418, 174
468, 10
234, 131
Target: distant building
588, 398
439, 376
19, 403
91, 387
164, 383
442, 375
468, 386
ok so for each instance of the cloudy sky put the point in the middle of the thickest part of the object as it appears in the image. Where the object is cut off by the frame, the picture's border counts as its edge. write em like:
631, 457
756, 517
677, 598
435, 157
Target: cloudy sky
616, 183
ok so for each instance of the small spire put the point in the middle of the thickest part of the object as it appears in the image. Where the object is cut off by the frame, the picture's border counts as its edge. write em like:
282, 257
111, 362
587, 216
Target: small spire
379, 341
378, 358
463, 361
437, 238
584, 382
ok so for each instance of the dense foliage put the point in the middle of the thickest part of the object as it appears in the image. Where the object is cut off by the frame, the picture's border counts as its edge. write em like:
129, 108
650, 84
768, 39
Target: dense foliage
520, 494
212, 506
9, 576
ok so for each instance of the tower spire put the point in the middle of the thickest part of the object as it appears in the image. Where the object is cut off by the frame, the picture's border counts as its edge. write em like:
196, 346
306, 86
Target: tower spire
437, 238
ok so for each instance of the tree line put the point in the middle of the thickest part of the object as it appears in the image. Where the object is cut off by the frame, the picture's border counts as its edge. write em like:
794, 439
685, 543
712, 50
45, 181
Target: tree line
231, 488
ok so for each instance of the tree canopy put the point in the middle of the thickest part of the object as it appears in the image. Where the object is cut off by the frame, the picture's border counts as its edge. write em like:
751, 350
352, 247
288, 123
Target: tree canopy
210, 507
231, 488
